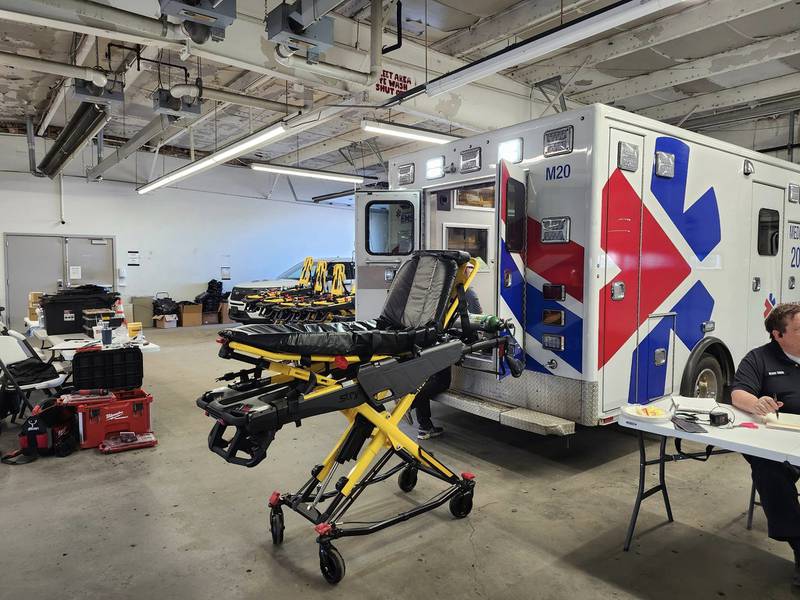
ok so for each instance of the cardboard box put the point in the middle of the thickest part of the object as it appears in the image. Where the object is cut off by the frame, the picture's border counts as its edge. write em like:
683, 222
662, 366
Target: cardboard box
32, 314
191, 315
143, 310
166, 321
128, 310
34, 297
223, 313
210, 318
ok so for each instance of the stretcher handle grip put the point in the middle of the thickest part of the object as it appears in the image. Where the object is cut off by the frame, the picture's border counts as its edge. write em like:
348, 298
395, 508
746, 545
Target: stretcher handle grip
240, 442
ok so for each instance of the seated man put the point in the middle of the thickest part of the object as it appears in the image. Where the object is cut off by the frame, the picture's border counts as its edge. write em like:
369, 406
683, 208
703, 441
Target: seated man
768, 379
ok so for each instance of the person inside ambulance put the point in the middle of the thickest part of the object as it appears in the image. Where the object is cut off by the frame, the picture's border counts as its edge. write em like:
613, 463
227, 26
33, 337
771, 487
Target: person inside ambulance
768, 381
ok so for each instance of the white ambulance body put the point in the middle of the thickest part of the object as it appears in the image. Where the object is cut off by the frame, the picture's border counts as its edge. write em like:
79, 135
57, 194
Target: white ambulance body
636, 259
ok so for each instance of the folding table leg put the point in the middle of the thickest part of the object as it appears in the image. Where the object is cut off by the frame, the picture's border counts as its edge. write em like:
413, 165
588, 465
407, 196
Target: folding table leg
641, 493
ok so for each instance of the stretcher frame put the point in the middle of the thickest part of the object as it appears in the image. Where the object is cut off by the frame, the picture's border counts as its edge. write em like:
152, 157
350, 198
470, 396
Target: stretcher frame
372, 436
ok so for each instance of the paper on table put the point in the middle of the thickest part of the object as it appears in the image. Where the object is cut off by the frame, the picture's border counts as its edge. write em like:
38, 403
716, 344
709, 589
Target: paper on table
786, 421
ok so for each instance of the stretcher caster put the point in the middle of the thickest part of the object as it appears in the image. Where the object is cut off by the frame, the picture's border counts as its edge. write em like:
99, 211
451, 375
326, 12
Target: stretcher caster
407, 480
276, 525
331, 564
461, 504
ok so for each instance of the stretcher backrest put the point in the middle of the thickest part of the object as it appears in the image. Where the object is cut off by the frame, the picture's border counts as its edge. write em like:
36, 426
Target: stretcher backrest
421, 290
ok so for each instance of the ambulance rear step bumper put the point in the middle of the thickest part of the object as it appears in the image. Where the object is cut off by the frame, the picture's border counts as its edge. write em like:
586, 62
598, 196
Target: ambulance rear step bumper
506, 414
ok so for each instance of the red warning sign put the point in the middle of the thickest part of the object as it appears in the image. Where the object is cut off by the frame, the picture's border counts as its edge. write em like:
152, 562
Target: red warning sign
393, 83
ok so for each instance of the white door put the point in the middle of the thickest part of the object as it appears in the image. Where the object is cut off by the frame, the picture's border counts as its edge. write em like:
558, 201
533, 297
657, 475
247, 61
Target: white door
766, 256
512, 226
34, 263
790, 292
619, 302
387, 232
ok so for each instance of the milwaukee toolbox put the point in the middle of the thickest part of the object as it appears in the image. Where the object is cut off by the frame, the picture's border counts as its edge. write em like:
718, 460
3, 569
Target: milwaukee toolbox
103, 414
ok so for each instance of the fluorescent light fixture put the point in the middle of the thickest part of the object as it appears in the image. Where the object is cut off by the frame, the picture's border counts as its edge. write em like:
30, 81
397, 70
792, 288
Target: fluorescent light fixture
312, 173
406, 132
574, 32
255, 140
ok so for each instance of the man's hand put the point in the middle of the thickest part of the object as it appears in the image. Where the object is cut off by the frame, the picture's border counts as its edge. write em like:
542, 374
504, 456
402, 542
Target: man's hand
765, 405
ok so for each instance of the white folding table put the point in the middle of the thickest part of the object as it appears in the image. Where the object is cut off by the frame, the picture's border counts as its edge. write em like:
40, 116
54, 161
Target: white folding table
771, 444
69, 343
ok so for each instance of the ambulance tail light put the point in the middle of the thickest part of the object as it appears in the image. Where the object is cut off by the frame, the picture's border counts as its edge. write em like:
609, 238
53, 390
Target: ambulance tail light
553, 342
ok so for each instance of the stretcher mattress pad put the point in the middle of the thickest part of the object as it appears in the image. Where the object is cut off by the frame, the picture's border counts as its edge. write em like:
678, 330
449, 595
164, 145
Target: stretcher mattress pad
357, 338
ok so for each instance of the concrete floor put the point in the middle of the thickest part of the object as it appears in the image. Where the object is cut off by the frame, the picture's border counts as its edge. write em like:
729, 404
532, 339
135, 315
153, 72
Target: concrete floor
549, 517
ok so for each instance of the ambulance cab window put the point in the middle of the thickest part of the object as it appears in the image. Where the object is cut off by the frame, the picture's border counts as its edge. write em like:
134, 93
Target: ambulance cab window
390, 228
515, 216
768, 232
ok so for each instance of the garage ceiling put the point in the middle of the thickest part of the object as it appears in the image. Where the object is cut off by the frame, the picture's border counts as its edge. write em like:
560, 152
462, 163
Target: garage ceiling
686, 63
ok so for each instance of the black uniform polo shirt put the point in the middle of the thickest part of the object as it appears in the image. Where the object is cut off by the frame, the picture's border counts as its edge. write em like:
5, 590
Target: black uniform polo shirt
766, 371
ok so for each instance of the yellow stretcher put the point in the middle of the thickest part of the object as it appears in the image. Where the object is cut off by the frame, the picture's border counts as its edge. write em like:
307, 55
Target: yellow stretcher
357, 368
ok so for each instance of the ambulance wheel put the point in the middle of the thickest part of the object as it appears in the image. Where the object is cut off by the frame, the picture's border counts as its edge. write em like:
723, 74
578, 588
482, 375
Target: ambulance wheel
706, 379
407, 480
276, 525
331, 564
461, 505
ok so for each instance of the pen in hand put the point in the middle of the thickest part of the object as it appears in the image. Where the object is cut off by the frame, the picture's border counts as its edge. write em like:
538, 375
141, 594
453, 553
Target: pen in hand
775, 398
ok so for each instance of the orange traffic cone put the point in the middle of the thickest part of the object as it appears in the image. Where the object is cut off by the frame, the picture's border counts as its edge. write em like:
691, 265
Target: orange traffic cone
119, 311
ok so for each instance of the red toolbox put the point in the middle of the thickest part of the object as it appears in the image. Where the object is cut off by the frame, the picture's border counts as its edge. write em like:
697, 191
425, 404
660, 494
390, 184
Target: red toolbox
101, 415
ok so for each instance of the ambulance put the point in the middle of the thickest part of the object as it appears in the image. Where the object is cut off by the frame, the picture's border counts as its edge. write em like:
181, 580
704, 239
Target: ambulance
635, 259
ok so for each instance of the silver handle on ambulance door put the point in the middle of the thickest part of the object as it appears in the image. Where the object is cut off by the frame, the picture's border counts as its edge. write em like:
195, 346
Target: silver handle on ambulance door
660, 356
791, 282
756, 284
618, 290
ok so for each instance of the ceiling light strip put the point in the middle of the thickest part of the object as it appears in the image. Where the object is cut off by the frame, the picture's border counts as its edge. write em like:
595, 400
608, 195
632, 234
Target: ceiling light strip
407, 132
548, 42
251, 142
311, 173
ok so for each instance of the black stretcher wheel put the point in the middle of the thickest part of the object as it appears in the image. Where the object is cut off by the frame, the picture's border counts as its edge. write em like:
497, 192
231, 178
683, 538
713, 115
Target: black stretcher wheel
407, 480
331, 564
276, 525
461, 505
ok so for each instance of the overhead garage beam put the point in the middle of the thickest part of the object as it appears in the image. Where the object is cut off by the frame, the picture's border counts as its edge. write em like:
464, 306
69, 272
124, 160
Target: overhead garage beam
516, 19
246, 47
717, 64
770, 109
666, 29
371, 160
159, 124
752, 92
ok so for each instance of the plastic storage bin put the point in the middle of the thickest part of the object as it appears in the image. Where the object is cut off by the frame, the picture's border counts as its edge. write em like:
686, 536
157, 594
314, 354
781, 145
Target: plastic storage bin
113, 369
120, 411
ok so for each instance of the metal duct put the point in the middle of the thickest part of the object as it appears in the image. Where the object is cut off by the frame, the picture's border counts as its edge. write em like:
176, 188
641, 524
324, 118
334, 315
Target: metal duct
82, 127
41, 65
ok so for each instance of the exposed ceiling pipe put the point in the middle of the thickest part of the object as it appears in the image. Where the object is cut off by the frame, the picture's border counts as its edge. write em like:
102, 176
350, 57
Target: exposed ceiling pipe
286, 56
91, 18
41, 65
31, 147
81, 53
144, 135
206, 93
